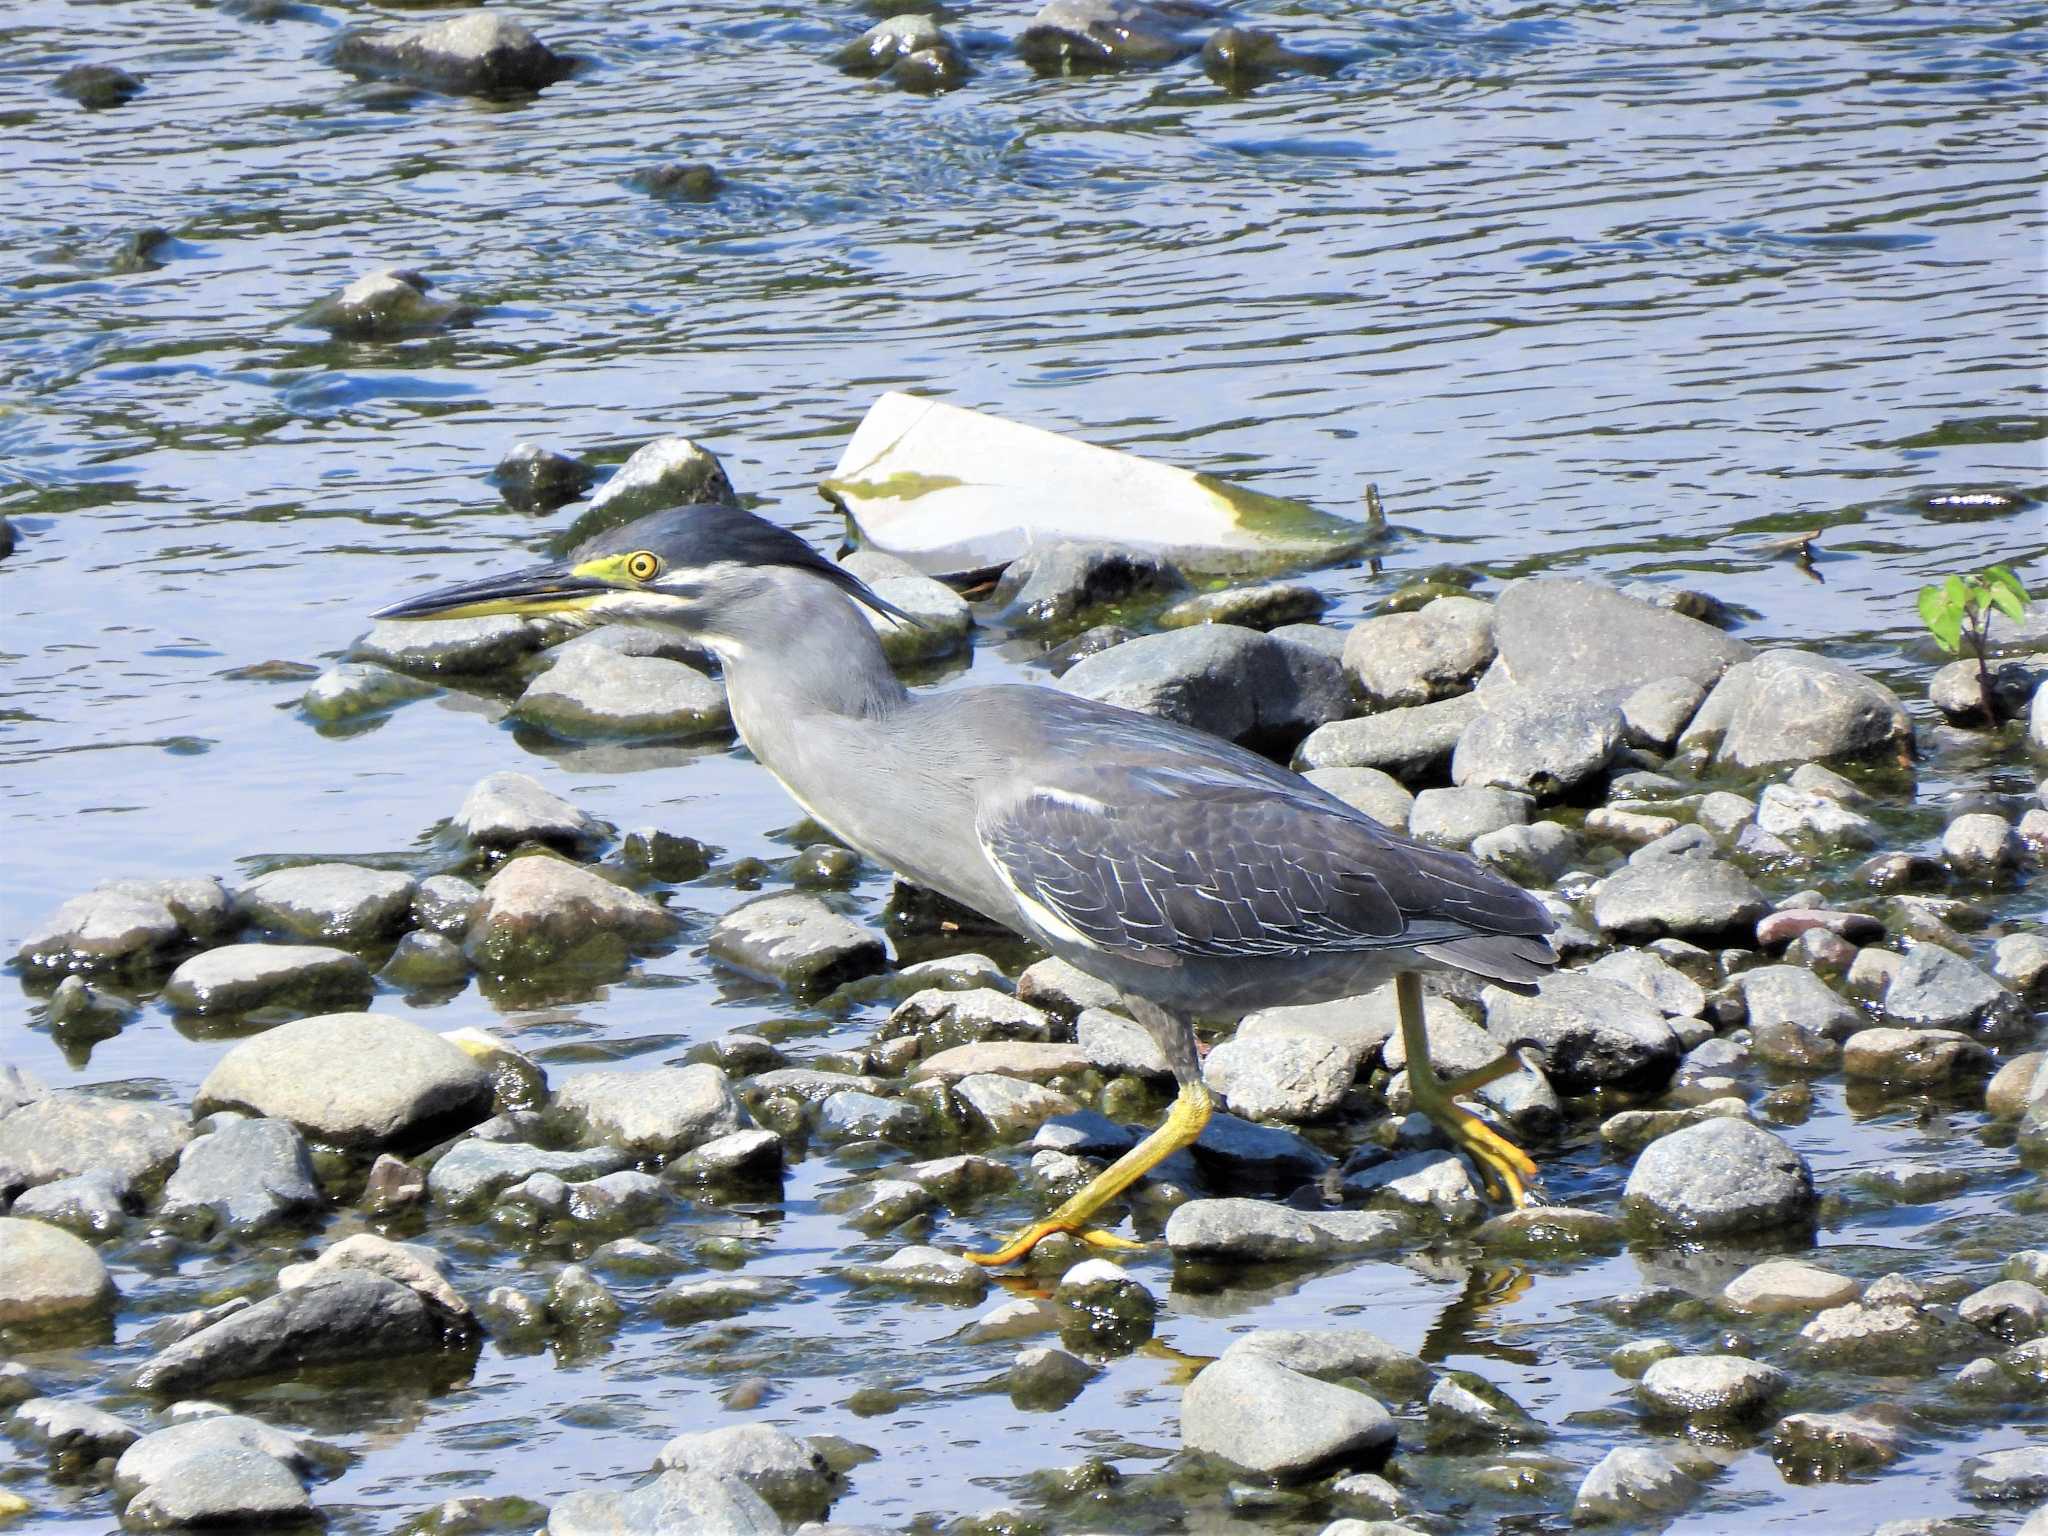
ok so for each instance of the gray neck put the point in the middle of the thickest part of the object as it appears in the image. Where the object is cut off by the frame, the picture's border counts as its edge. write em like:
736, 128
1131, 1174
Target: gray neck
798, 655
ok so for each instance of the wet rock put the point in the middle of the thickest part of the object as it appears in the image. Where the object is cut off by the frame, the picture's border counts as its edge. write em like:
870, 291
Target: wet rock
2020, 960
474, 1170
238, 978
1957, 690
126, 924
1721, 1178
356, 1080
928, 1270
426, 960
738, 1157
1534, 855
665, 856
681, 181
1259, 1231
1255, 1413
1633, 1129
1236, 683
579, 1301
786, 1473
1381, 796
1632, 1484
1636, 829
2012, 1086
387, 305
1593, 1033
1813, 820
1102, 1308
1937, 988
909, 50
352, 689
1706, 901
393, 1184
1290, 1077
1238, 58
1466, 1409
477, 53
1725, 813
1046, 1378
1074, 36
944, 621
798, 941
1795, 1018
1555, 631
593, 692
1787, 1285
1980, 846
507, 809
1890, 1327
941, 1019
654, 1113
689, 1301
65, 1134
88, 1204
445, 905
248, 1175
536, 479
1403, 659
1335, 1354
1007, 1106
541, 911
1669, 990
329, 903
1271, 606
1434, 1183
1711, 1389
1453, 818
347, 1316
853, 1116
1412, 743
49, 1276
1656, 714
673, 1504
70, 1432
1054, 585
2015, 1310
1549, 743
2008, 1476
1019, 1318
411, 1265
1240, 1154
96, 87
451, 647
1791, 707
1787, 924
1915, 1058
1831, 1446
81, 1015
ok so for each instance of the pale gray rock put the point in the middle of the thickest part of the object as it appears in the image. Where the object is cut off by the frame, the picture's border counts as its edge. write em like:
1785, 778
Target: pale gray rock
426, 960
798, 941
126, 924
1033, 1060
2015, 1310
2008, 1476
1535, 854
1669, 990
89, 1204
1706, 901
49, 1276
1074, 36
1792, 1012
475, 53
1437, 1184
1656, 714
1936, 988
1981, 846
786, 1473
921, 1269
1829, 1446
944, 621
1725, 813
64, 1428
358, 1080
667, 472
1545, 742
1711, 1389
1434, 652
1009, 1107
689, 1301
1291, 1077
1358, 1026
445, 905
1454, 818
1255, 1413
1592, 1032
238, 978
1334, 1354
1119, 1044
852, 1116
1632, 1484
350, 690
1467, 1409
1056, 584
1380, 795
1406, 743
541, 911
673, 1504
2020, 960
248, 1175
507, 809
1236, 683
737, 1157
451, 647
329, 903
1788, 1285
1554, 630
65, 1134
659, 1112
595, 693
1915, 1058
385, 305
1045, 1377
536, 479
1814, 820
942, 1018
1269, 605
1721, 1178
1063, 990
474, 1170
1792, 707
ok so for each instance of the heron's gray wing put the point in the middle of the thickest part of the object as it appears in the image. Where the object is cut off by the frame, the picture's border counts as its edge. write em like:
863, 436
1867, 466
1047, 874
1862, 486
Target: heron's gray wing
1201, 860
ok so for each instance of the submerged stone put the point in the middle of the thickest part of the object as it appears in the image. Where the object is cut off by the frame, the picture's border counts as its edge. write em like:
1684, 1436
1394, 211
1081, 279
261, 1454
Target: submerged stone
477, 53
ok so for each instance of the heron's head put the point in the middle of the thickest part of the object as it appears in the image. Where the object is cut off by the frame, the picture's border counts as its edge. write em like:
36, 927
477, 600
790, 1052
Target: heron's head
711, 570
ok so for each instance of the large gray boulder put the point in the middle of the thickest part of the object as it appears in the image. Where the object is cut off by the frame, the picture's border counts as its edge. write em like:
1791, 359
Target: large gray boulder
66, 1134
128, 924
1255, 1413
1936, 988
1548, 742
1720, 1179
798, 941
329, 903
1241, 684
247, 1175
541, 911
595, 692
1561, 631
1794, 707
49, 1276
364, 1081
238, 978
1402, 659
660, 1112
478, 53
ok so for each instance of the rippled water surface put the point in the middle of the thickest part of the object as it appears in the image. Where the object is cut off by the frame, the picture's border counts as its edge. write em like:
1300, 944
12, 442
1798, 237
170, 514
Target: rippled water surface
1635, 288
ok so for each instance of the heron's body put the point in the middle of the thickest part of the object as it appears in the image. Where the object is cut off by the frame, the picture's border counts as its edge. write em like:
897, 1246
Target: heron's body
1197, 878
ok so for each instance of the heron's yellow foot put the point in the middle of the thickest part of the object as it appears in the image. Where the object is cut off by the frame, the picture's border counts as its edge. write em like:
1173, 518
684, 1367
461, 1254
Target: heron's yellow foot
1183, 1123
1504, 1167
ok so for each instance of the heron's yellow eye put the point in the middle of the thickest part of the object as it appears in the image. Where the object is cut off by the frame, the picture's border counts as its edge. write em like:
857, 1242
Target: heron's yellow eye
642, 565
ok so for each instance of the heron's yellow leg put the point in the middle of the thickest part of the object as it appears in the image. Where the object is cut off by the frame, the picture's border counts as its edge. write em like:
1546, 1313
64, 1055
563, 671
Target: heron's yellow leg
1504, 1165
1183, 1123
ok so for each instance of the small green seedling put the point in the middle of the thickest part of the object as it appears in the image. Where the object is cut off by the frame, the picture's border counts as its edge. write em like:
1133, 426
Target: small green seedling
1958, 614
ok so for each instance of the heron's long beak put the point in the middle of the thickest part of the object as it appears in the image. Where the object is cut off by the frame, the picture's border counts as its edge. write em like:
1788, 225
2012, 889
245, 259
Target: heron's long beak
555, 588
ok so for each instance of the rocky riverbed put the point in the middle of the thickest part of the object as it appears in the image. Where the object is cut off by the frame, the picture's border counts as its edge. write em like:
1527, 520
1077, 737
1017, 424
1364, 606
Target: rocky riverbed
447, 1087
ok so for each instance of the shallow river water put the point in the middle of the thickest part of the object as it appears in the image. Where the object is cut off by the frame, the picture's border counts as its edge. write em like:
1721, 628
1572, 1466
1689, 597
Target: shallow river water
1629, 288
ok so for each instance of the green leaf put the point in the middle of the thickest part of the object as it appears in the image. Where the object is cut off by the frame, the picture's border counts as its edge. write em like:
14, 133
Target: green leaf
2001, 578
1932, 608
1956, 592
2007, 602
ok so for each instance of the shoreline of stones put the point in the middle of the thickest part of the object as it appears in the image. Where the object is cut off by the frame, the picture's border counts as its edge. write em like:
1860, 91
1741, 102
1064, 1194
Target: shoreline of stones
1604, 749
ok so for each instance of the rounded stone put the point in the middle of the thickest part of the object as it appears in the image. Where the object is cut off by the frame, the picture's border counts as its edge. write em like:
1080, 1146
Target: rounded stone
1721, 1178
48, 1276
1256, 1413
1711, 1389
1280, 1076
357, 1080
